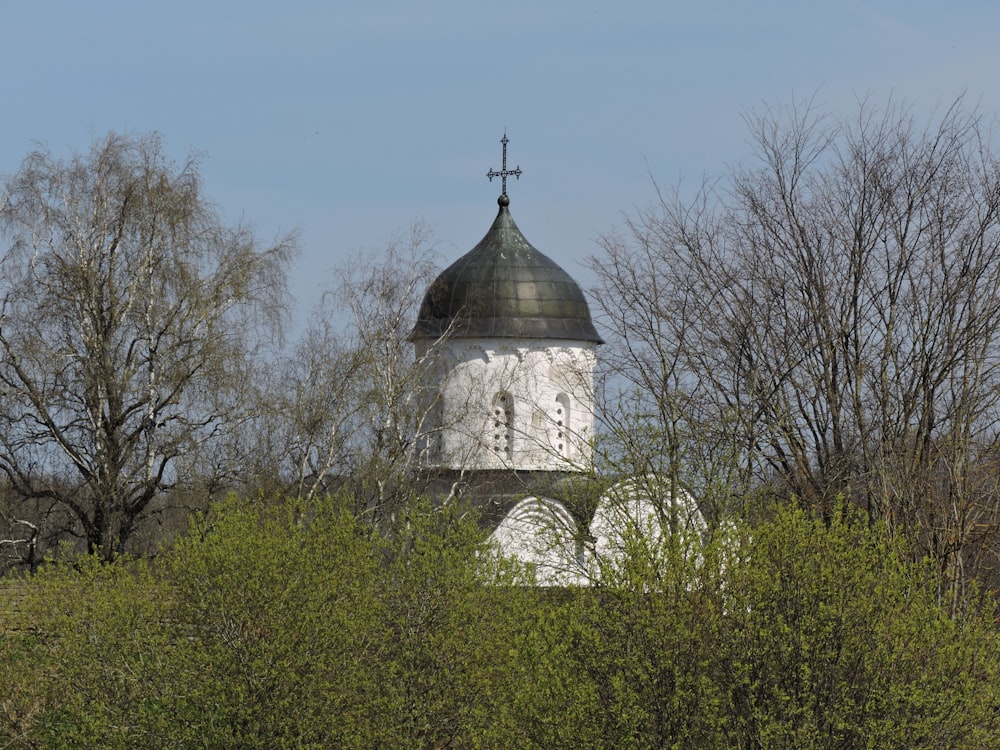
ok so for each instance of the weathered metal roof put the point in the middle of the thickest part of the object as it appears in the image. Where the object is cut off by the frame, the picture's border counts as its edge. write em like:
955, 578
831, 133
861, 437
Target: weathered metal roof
505, 288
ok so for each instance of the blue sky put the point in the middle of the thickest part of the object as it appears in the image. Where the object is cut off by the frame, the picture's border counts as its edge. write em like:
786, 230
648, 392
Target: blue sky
349, 120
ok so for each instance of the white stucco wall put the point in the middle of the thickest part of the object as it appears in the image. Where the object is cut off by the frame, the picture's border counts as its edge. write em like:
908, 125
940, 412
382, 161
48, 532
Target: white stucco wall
640, 510
547, 387
541, 535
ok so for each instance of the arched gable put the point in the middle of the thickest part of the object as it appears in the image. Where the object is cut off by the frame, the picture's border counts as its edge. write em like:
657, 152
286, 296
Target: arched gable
645, 509
540, 534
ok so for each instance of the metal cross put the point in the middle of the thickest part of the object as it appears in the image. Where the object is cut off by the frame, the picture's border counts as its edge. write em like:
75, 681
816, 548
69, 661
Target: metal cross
504, 173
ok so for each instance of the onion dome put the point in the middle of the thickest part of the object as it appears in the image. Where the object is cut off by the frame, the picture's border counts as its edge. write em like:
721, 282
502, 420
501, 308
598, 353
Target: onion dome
505, 288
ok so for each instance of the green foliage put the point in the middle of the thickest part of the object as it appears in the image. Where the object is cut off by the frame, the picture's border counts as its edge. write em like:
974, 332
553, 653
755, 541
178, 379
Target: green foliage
274, 606
791, 634
283, 625
836, 640
269, 625
86, 650
636, 658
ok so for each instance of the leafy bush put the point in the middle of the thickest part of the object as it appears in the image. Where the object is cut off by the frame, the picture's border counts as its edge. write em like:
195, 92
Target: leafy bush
284, 626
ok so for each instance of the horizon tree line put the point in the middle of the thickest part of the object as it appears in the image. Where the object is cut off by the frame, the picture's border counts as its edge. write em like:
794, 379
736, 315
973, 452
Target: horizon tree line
819, 323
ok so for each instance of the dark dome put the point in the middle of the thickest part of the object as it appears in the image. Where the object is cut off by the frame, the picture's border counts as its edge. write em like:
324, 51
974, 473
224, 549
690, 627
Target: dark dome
505, 288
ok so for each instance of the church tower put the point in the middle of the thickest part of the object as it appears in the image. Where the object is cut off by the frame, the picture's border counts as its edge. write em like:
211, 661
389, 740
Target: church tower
515, 348
510, 399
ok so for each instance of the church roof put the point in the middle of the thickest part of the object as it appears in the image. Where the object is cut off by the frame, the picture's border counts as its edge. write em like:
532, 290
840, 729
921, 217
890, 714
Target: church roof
505, 288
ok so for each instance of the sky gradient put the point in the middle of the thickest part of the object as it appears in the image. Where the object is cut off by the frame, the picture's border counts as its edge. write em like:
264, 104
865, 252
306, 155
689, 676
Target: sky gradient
349, 120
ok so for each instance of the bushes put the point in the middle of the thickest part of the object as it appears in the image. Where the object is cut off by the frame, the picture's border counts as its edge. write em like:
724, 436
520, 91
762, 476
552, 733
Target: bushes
835, 640
272, 626
793, 634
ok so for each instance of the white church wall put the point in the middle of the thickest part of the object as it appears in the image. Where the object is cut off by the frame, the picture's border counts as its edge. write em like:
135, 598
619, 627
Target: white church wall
635, 517
540, 534
514, 404
640, 511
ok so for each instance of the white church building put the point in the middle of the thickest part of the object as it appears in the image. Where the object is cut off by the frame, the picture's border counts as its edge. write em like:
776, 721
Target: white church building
512, 412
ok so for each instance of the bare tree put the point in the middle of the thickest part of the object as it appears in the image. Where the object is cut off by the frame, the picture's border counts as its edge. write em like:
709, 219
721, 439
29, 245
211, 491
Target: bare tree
351, 403
833, 315
128, 312
658, 409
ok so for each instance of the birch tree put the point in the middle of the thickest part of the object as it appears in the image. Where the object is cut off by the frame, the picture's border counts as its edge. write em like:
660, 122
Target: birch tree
128, 315
352, 403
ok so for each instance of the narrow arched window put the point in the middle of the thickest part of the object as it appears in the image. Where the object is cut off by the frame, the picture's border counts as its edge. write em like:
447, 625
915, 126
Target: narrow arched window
501, 424
561, 424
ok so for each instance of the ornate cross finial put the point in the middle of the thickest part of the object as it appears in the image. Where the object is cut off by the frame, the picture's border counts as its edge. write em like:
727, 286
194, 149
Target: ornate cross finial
504, 173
